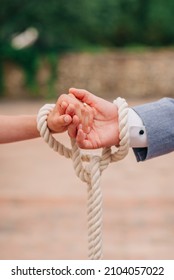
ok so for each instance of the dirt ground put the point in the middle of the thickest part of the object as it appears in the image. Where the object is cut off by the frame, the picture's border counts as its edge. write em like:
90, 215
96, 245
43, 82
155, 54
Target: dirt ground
43, 203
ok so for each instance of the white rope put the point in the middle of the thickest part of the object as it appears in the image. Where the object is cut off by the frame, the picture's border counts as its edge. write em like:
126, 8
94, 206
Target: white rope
91, 172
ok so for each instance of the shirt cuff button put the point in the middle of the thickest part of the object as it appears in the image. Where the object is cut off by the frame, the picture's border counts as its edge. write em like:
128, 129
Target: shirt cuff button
141, 132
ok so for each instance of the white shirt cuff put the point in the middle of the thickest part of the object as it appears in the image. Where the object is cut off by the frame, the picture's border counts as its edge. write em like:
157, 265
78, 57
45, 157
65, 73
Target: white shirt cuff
137, 131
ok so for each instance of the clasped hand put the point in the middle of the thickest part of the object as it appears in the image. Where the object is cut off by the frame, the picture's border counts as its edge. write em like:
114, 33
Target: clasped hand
91, 120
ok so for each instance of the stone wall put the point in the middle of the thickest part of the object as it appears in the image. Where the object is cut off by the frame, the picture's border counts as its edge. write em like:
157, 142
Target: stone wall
147, 74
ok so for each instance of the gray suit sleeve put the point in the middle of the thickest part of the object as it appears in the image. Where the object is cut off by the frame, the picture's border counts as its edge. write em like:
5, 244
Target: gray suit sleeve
158, 118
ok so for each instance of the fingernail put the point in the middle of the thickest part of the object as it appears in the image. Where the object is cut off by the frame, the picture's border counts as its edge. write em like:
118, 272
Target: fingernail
66, 118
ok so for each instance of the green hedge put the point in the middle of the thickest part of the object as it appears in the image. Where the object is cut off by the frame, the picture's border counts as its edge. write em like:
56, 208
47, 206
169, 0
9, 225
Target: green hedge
74, 25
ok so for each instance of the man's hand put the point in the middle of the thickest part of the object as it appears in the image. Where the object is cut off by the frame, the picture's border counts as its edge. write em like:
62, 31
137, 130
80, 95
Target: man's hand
103, 130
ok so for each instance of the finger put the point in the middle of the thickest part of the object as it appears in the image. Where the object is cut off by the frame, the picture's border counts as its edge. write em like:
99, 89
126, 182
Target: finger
64, 120
85, 121
91, 118
76, 120
70, 110
72, 95
62, 106
78, 111
83, 95
80, 137
100, 105
62, 103
81, 140
79, 105
72, 129
59, 123
74, 99
65, 100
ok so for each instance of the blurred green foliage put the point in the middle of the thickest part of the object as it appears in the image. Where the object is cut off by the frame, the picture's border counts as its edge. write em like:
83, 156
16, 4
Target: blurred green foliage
74, 25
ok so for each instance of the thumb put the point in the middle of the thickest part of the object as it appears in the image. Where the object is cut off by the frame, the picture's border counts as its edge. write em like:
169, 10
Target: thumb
65, 119
83, 95
61, 122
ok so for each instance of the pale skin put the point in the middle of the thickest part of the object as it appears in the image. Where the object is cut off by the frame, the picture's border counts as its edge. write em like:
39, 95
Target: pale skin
103, 130
94, 125
83, 114
23, 127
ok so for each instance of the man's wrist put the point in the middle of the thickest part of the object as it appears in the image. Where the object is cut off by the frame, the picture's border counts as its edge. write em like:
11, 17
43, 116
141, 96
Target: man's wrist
137, 130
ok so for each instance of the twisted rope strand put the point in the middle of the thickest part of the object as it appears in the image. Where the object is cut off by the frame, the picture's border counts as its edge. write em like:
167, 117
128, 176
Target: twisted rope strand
95, 213
91, 173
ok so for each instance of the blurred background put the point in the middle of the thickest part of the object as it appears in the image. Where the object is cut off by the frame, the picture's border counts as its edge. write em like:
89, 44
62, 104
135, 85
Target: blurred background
114, 48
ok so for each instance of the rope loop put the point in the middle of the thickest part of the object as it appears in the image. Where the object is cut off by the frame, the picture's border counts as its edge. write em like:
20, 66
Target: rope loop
91, 172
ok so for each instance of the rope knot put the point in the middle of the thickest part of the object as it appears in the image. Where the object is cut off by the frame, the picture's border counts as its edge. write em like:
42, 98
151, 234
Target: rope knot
91, 172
